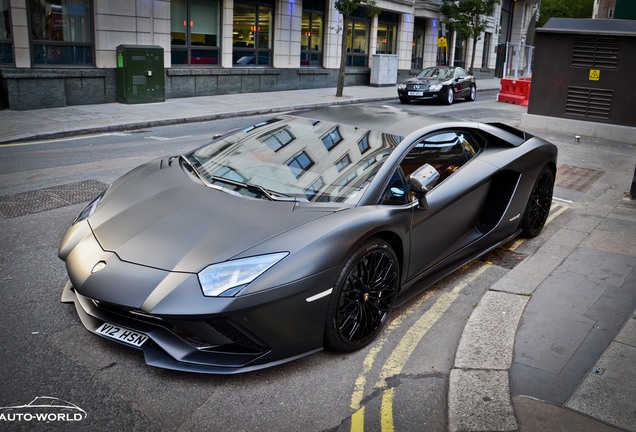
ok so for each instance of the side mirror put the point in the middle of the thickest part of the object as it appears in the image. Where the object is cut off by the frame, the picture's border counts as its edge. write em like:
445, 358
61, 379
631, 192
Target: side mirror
422, 180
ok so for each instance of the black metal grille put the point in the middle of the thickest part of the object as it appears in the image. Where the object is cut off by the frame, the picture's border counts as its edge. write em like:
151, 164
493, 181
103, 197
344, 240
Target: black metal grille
589, 102
596, 52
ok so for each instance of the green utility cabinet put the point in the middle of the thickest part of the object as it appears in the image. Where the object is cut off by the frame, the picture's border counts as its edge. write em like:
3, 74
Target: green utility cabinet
140, 74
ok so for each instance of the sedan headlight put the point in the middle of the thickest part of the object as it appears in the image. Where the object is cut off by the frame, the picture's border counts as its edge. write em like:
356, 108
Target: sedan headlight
436, 87
90, 208
401, 86
229, 278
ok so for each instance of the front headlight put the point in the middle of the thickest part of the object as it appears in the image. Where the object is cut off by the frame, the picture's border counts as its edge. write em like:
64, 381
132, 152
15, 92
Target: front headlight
401, 86
229, 278
436, 87
90, 208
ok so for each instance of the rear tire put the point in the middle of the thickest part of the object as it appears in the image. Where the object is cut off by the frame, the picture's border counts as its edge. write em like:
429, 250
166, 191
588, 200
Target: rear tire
363, 297
473, 94
538, 207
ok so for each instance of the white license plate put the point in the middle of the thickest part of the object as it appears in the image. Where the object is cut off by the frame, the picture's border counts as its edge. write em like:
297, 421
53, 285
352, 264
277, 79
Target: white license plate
122, 334
412, 93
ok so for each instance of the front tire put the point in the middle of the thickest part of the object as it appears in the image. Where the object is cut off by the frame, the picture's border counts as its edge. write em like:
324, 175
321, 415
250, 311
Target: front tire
404, 100
538, 207
363, 297
450, 96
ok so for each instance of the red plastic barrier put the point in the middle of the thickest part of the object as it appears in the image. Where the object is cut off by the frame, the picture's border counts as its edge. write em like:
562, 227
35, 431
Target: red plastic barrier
515, 91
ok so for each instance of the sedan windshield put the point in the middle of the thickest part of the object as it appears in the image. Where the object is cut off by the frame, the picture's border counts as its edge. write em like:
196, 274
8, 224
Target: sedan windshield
295, 158
436, 72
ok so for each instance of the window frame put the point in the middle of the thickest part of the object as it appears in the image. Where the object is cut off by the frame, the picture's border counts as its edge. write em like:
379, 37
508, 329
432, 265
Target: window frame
41, 45
188, 47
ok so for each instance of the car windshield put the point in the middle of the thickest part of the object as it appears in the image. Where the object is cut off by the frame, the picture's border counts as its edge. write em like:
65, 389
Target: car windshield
436, 72
295, 158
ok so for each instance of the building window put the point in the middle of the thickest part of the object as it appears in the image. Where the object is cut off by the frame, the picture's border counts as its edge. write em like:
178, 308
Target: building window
195, 29
6, 43
358, 39
417, 52
278, 139
61, 32
332, 139
363, 144
252, 33
485, 58
314, 189
343, 162
299, 164
387, 33
312, 33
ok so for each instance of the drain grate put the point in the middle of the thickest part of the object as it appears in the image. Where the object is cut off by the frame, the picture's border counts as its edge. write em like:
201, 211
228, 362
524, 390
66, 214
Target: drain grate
503, 258
40, 200
577, 178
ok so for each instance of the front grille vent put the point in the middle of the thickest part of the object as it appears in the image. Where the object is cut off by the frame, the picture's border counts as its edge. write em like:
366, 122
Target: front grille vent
596, 52
589, 102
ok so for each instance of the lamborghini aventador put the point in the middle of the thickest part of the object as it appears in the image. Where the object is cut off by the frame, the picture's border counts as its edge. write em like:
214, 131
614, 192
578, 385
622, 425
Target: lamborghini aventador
298, 233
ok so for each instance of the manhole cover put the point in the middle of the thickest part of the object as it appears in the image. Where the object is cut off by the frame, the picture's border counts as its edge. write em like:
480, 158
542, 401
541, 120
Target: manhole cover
49, 198
577, 178
503, 258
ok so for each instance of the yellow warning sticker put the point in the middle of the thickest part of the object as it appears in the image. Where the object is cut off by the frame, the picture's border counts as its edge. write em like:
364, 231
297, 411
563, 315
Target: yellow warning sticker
595, 74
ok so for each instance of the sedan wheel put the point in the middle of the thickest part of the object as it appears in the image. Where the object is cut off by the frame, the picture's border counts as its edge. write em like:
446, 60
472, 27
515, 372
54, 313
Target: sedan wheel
538, 206
363, 297
450, 96
473, 94
404, 100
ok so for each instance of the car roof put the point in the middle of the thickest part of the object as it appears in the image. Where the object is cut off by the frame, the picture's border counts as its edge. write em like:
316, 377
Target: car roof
386, 119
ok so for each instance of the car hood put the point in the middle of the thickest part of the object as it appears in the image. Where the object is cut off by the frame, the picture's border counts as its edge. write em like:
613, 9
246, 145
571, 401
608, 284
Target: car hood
426, 81
159, 217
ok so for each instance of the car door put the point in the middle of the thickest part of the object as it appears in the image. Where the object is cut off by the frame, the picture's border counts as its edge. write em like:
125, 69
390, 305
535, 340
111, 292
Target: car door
449, 223
459, 81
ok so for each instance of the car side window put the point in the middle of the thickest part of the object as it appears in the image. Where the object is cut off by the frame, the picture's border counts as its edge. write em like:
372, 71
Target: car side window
397, 191
446, 151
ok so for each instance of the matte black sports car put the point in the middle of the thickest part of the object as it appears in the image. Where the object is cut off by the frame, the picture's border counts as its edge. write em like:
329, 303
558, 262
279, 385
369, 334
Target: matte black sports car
439, 83
297, 233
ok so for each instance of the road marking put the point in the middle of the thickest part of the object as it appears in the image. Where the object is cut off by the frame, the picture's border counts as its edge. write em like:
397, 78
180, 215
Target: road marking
369, 360
400, 355
556, 213
397, 360
158, 138
386, 419
357, 421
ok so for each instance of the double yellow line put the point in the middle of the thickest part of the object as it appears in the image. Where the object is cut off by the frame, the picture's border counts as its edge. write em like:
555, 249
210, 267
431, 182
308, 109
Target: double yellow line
400, 355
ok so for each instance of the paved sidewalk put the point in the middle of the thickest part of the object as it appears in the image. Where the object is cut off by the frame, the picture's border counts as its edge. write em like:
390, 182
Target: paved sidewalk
563, 319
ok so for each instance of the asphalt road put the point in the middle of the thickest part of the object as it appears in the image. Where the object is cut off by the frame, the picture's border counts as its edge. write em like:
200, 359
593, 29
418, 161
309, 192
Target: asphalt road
400, 380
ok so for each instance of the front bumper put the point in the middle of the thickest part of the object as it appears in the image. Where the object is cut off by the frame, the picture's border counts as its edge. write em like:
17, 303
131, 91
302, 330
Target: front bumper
214, 345
426, 95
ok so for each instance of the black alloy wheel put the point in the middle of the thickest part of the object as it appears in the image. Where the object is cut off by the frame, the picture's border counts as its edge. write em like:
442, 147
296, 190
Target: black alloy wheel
363, 297
538, 206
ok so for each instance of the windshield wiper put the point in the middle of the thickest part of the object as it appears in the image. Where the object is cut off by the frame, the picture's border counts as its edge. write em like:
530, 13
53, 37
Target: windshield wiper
269, 194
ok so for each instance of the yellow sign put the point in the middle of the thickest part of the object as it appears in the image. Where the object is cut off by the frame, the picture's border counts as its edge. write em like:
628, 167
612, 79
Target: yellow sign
595, 74
442, 43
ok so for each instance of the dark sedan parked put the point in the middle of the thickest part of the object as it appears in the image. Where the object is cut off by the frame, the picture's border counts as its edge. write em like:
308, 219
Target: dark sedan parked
439, 83
297, 233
